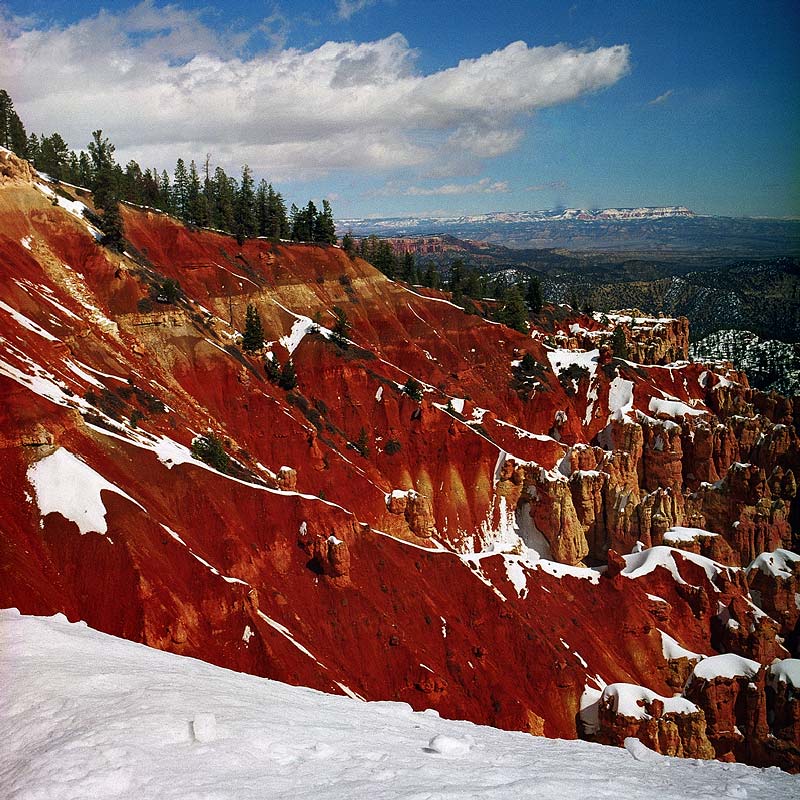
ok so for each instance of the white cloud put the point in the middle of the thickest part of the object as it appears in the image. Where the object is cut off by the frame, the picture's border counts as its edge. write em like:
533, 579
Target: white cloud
346, 8
163, 83
662, 98
483, 186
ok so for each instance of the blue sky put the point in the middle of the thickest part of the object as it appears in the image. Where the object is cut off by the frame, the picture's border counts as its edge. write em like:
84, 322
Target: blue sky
394, 107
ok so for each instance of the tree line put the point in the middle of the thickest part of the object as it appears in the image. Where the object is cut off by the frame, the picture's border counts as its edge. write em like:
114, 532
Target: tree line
512, 301
202, 197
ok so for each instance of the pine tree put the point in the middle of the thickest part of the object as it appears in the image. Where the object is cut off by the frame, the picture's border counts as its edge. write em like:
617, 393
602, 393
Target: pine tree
288, 379
341, 328
253, 337
272, 368
349, 244
224, 191
244, 207
413, 388
456, 277
324, 226
262, 208
180, 191
105, 188
515, 312
619, 343
362, 444
210, 450
573, 301
12, 131
196, 205
533, 295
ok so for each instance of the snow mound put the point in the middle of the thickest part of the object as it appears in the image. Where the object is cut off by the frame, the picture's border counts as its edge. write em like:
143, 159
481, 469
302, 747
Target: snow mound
93, 716
727, 665
629, 700
450, 745
204, 727
640, 751
777, 564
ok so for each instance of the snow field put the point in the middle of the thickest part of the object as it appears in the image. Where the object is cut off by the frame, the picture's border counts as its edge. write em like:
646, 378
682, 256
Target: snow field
92, 716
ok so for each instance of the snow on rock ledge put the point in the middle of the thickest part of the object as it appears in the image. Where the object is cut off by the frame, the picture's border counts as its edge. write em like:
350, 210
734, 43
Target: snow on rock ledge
727, 665
631, 700
68, 486
779, 564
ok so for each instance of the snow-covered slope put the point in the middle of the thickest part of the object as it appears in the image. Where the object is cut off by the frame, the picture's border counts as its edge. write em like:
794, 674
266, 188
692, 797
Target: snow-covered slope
84, 714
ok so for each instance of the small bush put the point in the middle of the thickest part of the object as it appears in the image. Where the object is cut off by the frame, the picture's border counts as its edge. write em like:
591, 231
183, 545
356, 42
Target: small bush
209, 449
392, 447
413, 388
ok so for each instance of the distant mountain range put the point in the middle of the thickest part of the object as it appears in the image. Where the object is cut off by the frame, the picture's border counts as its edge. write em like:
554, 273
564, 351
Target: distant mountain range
668, 229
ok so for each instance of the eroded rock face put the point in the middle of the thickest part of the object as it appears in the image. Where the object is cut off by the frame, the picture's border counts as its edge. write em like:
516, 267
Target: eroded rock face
774, 581
14, 169
742, 716
669, 732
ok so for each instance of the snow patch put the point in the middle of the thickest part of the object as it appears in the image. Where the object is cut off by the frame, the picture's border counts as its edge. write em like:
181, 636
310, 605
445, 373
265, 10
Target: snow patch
64, 484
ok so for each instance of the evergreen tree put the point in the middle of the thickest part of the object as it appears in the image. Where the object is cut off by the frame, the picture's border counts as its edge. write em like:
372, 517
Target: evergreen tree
12, 131
272, 368
515, 312
431, 277
105, 189
101, 152
53, 156
262, 208
33, 149
413, 388
288, 379
573, 300
349, 244
619, 343
456, 277
245, 206
533, 295
196, 205
253, 337
210, 450
362, 444
180, 191
324, 227
409, 268
528, 364
341, 328
224, 192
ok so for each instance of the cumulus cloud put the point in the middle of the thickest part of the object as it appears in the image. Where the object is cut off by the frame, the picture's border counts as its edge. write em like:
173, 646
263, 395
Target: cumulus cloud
162, 82
662, 98
483, 186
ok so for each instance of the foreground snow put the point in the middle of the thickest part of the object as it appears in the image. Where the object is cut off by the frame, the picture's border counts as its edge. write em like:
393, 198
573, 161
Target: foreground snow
83, 714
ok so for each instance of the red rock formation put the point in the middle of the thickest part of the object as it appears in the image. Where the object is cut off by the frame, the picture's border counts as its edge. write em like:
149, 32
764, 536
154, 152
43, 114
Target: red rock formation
293, 564
667, 726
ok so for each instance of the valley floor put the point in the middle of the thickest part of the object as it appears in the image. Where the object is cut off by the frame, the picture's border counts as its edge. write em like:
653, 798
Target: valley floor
84, 714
